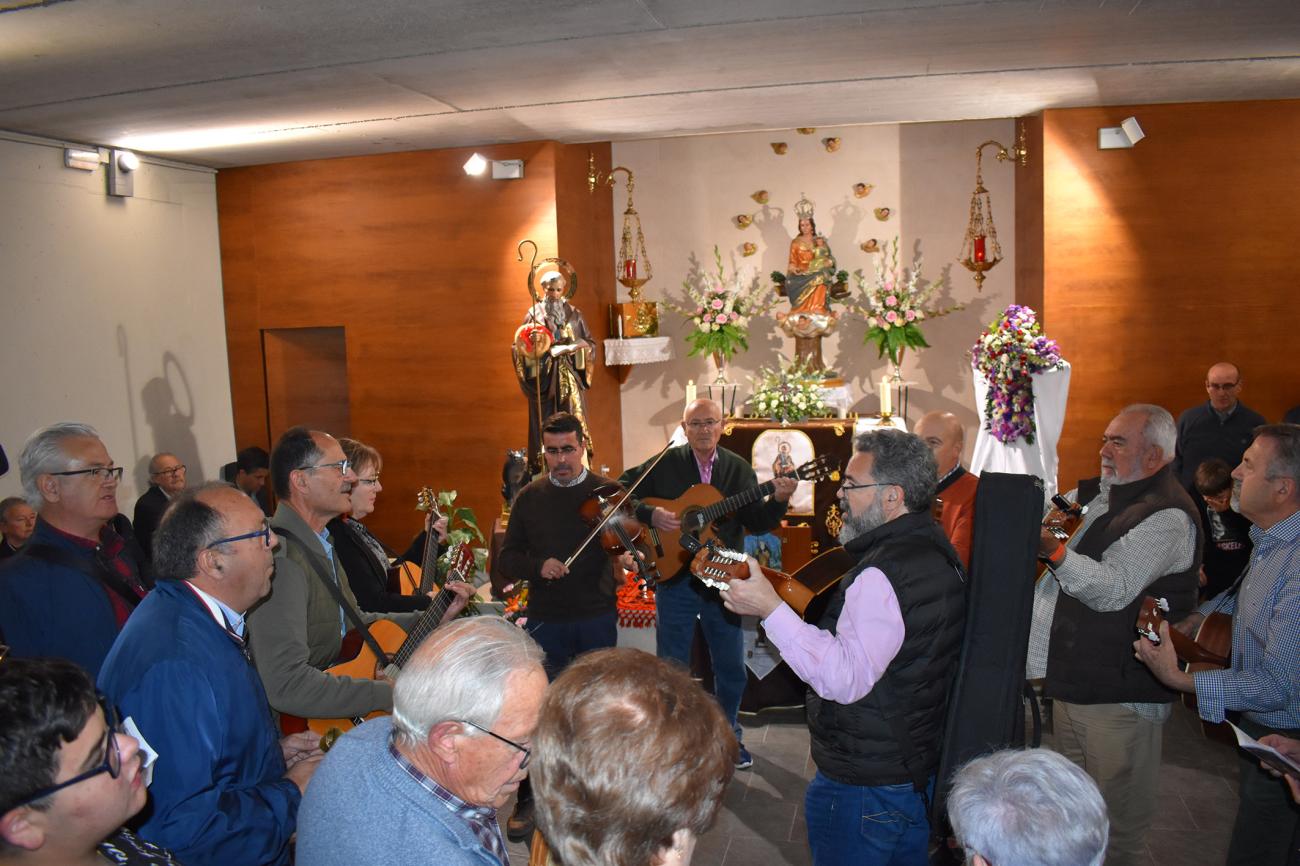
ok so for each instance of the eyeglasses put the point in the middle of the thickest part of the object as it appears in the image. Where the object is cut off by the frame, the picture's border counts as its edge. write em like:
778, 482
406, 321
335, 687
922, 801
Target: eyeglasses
112, 763
264, 533
369, 482
342, 466
566, 451
172, 471
1221, 386
99, 473
528, 753
703, 423
846, 485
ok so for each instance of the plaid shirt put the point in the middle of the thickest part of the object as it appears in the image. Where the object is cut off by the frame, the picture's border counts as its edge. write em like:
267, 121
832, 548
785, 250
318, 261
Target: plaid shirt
1264, 677
482, 820
1164, 543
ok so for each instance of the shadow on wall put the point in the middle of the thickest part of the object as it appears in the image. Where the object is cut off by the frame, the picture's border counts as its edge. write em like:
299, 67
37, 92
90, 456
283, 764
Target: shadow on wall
169, 410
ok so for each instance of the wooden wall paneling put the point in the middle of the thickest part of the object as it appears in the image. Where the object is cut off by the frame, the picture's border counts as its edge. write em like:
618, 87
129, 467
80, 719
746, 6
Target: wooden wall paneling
1029, 219
1162, 259
306, 380
417, 260
585, 235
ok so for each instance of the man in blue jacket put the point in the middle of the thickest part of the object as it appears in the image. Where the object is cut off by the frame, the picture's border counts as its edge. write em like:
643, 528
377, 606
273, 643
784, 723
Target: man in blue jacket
225, 789
70, 590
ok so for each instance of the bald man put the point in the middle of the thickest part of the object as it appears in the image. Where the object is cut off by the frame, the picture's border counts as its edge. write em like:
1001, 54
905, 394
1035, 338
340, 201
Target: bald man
946, 438
1220, 427
166, 479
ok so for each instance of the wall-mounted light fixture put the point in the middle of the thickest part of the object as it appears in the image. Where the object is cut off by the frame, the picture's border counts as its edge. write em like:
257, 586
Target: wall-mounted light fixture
121, 172
1127, 134
84, 158
502, 169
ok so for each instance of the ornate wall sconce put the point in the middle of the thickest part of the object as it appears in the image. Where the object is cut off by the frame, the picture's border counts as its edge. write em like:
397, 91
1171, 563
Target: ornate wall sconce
980, 250
632, 268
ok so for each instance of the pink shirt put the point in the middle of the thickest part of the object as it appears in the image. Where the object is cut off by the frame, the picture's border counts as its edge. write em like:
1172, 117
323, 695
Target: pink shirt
844, 666
706, 466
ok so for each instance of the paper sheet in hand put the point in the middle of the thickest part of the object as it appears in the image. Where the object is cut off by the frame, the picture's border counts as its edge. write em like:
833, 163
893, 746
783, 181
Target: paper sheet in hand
1269, 755
146, 769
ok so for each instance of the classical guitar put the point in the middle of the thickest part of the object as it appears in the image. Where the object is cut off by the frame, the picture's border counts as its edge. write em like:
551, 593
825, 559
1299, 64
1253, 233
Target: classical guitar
1209, 649
717, 567
702, 504
419, 578
358, 661
1062, 521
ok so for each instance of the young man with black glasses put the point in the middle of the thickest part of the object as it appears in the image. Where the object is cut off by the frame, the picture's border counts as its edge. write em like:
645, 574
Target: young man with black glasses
70, 590
69, 778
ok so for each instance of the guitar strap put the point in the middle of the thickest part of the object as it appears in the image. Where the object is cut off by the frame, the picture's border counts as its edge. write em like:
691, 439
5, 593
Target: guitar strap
354, 618
93, 568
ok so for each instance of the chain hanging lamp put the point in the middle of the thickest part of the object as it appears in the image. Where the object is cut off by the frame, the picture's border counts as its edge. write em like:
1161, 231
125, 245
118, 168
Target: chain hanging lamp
980, 250
632, 268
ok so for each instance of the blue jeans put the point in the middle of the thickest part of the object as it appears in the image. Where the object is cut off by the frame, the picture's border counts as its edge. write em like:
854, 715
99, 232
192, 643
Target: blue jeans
564, 641
678, 603
851, 824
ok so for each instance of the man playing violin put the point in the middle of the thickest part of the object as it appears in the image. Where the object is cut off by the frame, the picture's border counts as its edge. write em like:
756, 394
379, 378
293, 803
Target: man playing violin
1263, 679
680, 601
571, 609
1140, 535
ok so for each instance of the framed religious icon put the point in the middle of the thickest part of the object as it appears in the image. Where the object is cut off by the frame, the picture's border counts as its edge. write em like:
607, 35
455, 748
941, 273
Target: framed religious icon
780, 450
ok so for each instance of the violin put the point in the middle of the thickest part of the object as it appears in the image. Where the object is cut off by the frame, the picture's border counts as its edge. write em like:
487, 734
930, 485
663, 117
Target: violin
608, 510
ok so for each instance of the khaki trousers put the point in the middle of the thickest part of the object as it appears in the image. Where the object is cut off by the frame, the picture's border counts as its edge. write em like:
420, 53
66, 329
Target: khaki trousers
1121, 752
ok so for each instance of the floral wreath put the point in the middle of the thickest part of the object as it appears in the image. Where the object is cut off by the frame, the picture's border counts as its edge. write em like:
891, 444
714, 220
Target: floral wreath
1007, 354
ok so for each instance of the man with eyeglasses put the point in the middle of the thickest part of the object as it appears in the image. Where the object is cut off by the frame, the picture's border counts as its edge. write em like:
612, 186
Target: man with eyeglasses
1220, 427
69, 778
70, 590
881, 660
424, 785
297, 631
681, 601
181, 671
571, 609
166, 480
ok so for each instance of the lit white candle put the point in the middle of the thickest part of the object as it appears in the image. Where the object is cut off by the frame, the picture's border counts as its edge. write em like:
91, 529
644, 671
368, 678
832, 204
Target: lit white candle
690, 391
886, 407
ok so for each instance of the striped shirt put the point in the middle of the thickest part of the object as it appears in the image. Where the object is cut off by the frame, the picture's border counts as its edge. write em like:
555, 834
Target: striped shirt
482, 820
1164, 543
1264, 678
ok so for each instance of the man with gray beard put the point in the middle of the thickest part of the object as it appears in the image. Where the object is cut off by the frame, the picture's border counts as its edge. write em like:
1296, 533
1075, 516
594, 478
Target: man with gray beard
553, 365
1140, 536
880, 662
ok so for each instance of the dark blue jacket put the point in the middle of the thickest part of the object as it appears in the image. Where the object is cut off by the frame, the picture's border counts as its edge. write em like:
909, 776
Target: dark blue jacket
218, 794
54, 610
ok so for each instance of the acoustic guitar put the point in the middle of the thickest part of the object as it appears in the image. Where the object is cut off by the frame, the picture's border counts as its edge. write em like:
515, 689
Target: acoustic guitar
419, 578
1062, 522
717, 567
358, 660
1209, 649
702, 504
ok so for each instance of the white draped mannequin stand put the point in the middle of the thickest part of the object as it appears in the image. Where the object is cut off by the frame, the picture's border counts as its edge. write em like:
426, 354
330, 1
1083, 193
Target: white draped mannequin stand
1051, 389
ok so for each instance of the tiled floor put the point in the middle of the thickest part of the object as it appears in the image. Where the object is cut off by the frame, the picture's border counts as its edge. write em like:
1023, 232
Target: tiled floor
762, 819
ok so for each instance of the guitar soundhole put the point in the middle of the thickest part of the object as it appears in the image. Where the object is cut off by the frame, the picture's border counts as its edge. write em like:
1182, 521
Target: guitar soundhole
693, 521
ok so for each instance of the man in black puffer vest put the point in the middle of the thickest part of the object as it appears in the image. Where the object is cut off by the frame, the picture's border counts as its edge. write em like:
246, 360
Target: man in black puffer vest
880, 662
1140, 536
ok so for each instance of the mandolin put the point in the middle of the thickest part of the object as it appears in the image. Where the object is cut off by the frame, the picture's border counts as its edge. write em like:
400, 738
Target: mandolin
1209, 649
1062, 521
702, 504
717, 566
358, 661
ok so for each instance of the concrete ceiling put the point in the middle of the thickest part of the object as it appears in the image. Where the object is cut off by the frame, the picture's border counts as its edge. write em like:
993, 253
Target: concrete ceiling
240, 82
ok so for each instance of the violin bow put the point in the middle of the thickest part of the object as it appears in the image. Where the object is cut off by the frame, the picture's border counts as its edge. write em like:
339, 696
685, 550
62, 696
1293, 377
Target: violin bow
600, 524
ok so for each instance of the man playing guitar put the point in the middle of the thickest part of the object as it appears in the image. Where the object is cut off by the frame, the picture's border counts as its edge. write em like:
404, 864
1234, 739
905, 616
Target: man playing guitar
679, 601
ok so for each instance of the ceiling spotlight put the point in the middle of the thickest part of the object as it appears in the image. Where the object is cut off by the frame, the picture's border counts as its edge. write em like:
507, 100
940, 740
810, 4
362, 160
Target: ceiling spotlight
1127, 134
121, 173
475, 165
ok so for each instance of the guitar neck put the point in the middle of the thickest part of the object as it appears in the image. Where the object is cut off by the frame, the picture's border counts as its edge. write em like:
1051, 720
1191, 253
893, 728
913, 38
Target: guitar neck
426, 623
724, 507
429, 563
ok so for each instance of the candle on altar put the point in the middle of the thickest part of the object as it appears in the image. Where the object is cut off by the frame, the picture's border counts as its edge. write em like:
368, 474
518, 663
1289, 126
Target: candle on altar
886, 407
979, 248
629, 269
690, 391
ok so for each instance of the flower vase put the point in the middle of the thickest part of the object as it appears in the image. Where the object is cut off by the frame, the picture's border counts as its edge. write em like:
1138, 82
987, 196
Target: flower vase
720, 360
898, 366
